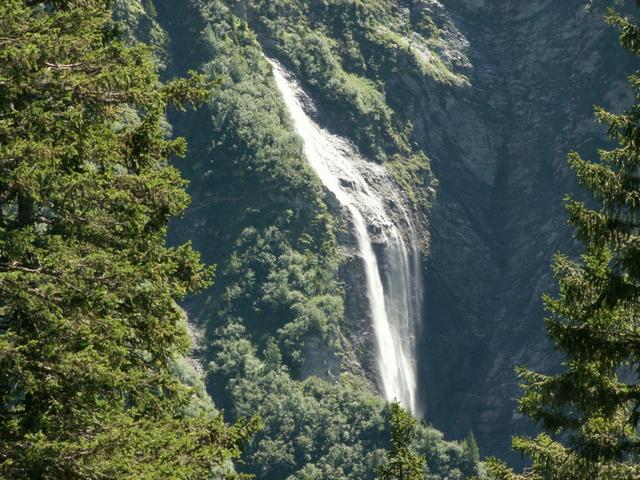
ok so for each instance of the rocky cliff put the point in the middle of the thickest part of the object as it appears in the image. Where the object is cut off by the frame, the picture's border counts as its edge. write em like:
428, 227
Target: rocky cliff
498, 148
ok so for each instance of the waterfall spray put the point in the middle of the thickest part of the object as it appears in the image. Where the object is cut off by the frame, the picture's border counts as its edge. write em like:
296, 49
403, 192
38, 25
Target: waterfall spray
394, 287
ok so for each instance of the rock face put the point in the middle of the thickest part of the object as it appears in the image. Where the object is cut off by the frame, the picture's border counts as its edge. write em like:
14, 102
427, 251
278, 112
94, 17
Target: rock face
498, 149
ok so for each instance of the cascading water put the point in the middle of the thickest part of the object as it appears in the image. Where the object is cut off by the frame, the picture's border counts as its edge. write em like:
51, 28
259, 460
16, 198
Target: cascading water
363, 189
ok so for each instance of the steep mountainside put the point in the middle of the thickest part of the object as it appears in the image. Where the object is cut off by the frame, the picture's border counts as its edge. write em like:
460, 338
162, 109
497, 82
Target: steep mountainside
472, 105
498, 149
277, 341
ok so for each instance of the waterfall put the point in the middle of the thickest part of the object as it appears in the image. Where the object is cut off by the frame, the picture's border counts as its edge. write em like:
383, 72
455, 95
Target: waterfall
364, 189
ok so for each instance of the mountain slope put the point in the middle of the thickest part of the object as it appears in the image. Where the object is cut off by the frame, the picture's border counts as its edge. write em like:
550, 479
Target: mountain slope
473, 105
278, 341
499, 152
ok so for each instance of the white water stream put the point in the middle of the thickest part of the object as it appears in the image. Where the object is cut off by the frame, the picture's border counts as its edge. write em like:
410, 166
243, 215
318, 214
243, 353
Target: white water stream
394, 287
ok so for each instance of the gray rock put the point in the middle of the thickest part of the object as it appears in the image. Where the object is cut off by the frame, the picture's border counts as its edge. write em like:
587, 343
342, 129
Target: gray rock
498, 149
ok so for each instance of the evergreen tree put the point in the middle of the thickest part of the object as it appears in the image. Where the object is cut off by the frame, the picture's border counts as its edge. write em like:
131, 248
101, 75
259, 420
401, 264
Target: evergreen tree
89, 321
591, 410
402, 462
470, 456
